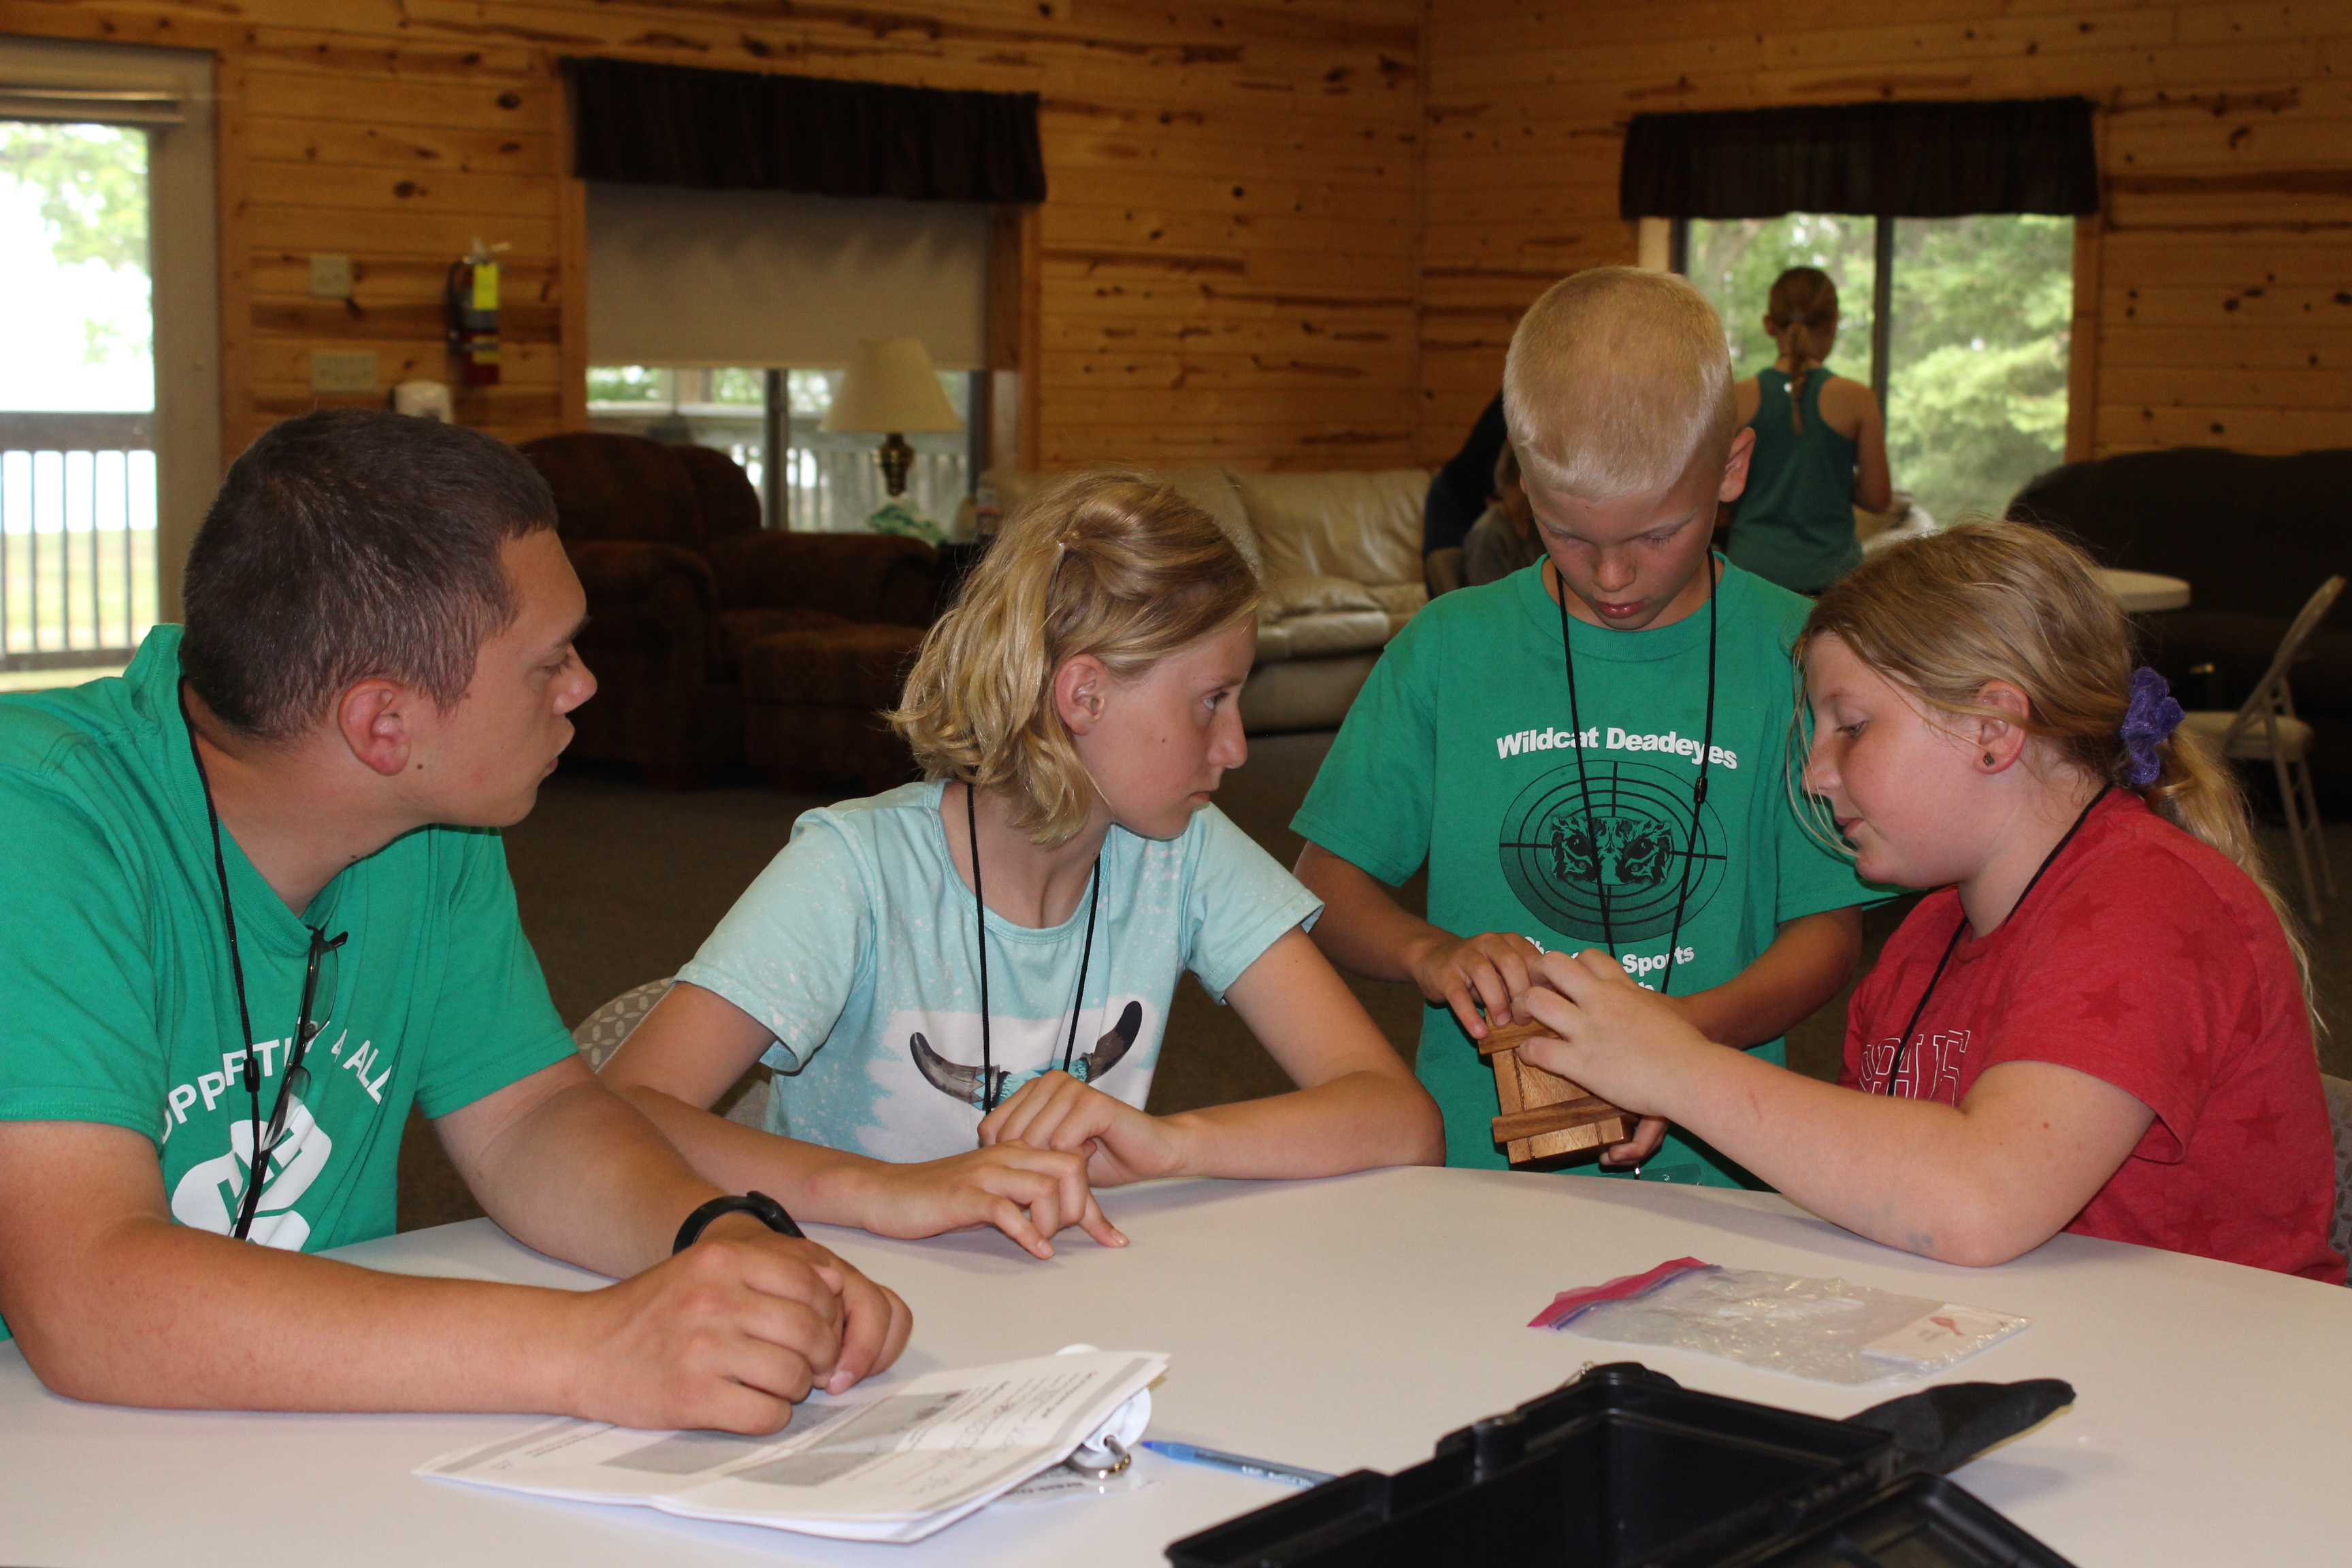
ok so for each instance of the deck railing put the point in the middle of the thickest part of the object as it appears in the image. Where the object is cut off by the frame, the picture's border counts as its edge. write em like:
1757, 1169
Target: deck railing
77, 538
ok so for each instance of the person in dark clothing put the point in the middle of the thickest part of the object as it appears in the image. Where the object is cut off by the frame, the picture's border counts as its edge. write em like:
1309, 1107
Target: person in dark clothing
1465, 485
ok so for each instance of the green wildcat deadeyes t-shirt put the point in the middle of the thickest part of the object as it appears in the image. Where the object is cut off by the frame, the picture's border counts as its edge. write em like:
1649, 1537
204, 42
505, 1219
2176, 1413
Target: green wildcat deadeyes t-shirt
114, 972
1460, 752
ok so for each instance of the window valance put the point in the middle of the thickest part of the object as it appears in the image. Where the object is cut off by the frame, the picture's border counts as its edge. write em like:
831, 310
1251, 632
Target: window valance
636, 124
1897, 160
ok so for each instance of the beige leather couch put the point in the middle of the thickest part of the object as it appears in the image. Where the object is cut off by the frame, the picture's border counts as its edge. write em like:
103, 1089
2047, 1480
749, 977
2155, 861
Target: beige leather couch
1341, 556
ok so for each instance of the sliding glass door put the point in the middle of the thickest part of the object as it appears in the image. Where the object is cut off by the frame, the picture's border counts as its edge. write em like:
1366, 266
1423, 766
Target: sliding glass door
1961, 324
110, 443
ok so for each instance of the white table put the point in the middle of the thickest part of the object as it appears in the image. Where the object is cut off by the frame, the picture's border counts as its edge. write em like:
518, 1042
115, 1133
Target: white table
2141, 592
1331, 1324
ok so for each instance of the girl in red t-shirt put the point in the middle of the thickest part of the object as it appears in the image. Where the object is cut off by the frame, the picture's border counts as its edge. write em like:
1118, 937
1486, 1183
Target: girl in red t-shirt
2100, 1023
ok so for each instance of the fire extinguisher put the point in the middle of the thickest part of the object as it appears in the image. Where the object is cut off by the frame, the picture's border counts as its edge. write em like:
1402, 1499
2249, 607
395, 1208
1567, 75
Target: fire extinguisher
473, 297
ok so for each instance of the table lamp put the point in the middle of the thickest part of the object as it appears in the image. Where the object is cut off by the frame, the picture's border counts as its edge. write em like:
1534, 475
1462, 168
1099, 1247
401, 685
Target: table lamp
891, 388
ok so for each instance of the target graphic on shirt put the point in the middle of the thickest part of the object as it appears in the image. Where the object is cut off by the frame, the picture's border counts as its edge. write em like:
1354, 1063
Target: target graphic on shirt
1634, 843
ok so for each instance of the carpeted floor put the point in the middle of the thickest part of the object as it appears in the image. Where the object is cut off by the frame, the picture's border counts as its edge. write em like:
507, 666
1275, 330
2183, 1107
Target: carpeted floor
618, 884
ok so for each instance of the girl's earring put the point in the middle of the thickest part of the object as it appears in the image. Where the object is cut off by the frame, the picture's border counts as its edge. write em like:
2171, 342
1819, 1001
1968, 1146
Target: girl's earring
1991, 760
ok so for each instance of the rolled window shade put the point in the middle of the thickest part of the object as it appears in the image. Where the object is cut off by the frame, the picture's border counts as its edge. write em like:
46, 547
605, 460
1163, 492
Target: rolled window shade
76, 105
679, 277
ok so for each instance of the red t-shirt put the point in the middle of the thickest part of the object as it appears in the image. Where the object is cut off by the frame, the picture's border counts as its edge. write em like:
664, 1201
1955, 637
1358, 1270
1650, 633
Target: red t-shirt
2149, 960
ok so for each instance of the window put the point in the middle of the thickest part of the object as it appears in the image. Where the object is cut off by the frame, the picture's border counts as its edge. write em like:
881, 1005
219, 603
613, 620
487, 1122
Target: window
77, 468
1961, 324
821, 482
109, 395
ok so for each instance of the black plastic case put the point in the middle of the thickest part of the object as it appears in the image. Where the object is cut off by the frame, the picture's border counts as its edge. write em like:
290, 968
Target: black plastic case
1625, 1467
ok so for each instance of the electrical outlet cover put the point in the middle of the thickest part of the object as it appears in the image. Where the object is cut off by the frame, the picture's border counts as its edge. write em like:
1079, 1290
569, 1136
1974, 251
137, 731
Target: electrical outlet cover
331, 277
342, 370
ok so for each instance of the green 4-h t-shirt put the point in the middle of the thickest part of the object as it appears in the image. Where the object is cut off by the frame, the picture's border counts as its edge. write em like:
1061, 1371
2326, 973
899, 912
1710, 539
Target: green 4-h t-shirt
1460, 752
115, 986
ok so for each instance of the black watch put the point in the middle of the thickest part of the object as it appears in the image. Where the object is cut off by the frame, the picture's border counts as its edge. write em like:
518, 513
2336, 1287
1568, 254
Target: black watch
759, 1205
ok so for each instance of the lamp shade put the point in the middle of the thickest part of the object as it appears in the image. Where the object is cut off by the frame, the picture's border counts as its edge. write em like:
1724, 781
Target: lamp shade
890, 386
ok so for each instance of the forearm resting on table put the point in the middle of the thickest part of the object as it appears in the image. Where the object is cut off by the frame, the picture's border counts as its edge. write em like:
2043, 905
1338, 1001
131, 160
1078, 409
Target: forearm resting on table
112, 1301
1362, 929
1358, 1104
1975, 1184
1807, 962
1357, 1122
616, 1208
827, 1186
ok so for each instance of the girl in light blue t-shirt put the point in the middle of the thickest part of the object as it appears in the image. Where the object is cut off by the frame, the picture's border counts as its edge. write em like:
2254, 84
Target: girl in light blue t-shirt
960, 1043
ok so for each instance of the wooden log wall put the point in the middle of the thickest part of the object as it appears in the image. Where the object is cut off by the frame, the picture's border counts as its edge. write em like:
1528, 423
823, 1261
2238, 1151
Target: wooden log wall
1226, 265
1289, 233
2214, 293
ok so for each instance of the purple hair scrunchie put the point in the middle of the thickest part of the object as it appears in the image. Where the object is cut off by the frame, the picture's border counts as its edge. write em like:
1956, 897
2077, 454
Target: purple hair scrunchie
2153, 716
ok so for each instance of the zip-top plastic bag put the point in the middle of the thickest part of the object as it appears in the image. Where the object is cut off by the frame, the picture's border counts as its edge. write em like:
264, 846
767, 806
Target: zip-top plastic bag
1832, 1330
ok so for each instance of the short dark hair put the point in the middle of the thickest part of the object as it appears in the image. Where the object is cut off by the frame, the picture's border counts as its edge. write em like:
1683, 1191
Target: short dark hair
347, 544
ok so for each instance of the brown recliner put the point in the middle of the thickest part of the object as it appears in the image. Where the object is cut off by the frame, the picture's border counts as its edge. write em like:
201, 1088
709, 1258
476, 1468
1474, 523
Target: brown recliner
682, 581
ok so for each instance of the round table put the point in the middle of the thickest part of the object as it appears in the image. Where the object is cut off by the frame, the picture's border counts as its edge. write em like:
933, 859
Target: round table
2141, 592
1327, 1324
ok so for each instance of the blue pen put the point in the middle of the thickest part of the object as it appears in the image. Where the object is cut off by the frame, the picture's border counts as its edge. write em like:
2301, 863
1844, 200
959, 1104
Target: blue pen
1241, 1465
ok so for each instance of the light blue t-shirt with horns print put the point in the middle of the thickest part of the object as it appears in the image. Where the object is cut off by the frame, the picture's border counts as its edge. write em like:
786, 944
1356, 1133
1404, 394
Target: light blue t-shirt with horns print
857, 949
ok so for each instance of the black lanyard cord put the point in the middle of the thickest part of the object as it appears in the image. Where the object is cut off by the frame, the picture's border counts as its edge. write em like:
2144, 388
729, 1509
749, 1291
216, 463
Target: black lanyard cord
252, 1074
1085, 956
1698, 790
1903, 1045
980, 936
987, 1079
1583, 785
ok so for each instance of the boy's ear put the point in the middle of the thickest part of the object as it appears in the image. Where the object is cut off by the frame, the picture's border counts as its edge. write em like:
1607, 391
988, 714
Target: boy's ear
1735, 466
1081, 688
2001, 740
373, 719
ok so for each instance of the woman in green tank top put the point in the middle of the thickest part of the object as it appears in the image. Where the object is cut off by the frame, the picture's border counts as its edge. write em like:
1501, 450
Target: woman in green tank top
1821, 447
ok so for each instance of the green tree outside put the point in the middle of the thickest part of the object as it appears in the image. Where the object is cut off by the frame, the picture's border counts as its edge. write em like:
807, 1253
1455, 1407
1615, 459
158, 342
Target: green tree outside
93, 184
1983, 312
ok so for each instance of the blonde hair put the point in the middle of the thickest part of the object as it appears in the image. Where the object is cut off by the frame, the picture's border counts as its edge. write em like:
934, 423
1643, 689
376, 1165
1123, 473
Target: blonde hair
1110, 563
1803, 301
1618, 381
1944, 614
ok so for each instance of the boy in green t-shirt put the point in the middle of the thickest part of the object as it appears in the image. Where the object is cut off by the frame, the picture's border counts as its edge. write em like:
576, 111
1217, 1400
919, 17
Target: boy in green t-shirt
257, 908
1603, 767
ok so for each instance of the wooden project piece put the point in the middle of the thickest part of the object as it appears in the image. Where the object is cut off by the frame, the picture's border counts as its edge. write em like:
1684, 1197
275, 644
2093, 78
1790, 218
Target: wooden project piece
1544, 1115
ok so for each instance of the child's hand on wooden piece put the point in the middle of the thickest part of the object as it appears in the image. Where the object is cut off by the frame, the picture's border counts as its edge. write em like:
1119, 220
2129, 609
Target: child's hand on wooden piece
1118, 1142
1478, 972
1617, 1038
1027, 1192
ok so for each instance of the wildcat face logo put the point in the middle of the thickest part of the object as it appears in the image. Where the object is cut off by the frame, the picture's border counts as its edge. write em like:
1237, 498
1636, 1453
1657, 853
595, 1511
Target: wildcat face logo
1612, 852
1628, 844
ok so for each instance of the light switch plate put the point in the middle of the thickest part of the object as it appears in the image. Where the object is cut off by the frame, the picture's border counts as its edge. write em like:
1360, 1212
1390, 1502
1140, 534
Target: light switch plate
331, 277
342, 370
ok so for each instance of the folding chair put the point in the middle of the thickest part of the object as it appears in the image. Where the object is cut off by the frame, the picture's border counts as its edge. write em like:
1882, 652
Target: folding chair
2264, 728
606, 1029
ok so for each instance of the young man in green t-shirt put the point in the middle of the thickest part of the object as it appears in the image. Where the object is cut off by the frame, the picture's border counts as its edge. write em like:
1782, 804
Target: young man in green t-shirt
258, 907
1603, 767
